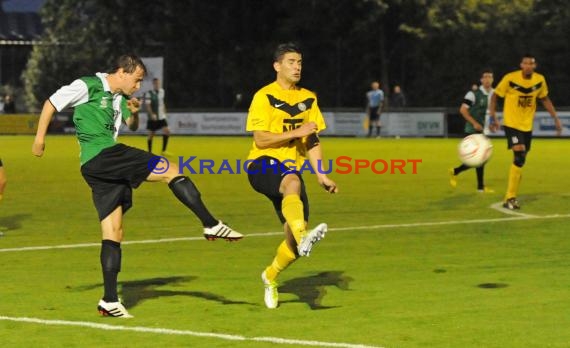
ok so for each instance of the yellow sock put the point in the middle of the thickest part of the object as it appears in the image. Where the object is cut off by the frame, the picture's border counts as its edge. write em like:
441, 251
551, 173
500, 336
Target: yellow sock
292, 209
282, 260
514, 181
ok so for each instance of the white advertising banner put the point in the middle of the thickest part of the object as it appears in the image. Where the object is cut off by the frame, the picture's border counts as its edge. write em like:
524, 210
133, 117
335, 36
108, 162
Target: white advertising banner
344, 123
393, 124
417, 124
195, 123
543, 125
208, 123
413, 124
338, 123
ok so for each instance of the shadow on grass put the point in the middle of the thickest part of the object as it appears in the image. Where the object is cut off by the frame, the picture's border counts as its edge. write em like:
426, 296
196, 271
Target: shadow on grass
311, 290
14, 222
135, 291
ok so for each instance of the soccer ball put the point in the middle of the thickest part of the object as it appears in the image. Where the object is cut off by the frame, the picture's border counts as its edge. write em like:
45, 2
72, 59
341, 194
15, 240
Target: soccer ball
475, 150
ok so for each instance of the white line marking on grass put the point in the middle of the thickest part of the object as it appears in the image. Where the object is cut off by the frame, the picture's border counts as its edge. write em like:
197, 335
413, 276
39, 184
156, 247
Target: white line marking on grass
163, 331
88, 245
519, 216
499, 207
451, 222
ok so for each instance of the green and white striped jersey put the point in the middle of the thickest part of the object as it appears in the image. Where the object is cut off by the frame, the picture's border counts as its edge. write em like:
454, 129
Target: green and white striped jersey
98, 113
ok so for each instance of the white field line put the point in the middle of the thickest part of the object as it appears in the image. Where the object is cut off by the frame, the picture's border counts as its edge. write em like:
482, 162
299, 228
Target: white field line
163, 331
499, 207
518, 216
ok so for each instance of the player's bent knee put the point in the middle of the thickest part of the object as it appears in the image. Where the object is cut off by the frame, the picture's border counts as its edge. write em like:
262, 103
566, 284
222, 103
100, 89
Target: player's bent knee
520, 158
290, 184
169, 175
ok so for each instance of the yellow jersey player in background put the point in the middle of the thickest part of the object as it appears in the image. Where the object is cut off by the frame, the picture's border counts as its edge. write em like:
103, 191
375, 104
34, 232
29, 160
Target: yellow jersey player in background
521, 89
285, 120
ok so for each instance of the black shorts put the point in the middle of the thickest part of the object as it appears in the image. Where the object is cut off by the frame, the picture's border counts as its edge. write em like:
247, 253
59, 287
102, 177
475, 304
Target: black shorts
265, 175
112, 175
517, 137
373, 113
154, 125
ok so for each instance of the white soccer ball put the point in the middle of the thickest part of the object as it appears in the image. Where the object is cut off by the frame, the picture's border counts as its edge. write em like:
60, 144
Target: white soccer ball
475, 150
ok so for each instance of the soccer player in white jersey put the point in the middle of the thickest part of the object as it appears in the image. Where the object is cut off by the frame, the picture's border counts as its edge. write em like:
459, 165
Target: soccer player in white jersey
156, 110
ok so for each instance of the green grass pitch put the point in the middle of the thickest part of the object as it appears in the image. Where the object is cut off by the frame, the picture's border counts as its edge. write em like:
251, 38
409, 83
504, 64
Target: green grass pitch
408, 261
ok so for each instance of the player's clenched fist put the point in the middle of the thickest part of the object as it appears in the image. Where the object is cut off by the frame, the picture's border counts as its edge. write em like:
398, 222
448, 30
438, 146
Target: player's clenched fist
38, 149
134, 105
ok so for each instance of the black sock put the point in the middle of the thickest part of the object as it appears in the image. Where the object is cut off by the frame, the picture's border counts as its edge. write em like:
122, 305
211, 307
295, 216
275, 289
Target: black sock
149, 143
378, 130
480, 171
369, 130
164, 142
111, 265
187, 193
460, 169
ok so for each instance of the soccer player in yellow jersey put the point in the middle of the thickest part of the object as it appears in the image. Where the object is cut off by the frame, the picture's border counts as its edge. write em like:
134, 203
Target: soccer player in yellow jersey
521, 89
285, 120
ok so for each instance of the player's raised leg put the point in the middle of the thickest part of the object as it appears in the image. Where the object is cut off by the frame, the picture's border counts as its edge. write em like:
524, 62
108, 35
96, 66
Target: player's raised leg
187, 193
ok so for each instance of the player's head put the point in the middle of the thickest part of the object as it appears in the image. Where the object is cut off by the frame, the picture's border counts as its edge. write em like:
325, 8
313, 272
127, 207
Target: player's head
129, 71
528, 64
128, 63
285, 48
287, 62
375, 85
486, 78
156, 83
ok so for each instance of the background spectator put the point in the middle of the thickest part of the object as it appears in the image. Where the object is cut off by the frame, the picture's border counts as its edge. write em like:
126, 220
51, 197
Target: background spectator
9, 106
398, 99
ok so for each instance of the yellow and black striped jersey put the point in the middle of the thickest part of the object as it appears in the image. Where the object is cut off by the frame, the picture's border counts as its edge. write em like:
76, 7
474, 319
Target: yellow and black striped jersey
278, 110
520, 98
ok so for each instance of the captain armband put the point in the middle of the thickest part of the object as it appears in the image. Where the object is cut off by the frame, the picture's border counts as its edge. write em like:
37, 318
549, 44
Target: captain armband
312, 141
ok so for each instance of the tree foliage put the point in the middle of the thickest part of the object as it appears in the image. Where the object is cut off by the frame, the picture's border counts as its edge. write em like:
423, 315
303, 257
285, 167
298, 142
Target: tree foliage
216, 49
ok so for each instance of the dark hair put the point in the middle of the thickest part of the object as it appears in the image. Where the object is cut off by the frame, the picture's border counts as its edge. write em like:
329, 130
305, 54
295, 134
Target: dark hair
486, 71
285, 48
129, 63
528, 55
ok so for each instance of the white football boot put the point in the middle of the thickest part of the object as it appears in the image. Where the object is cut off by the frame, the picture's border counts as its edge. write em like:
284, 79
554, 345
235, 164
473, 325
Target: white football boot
311, 238
222, 231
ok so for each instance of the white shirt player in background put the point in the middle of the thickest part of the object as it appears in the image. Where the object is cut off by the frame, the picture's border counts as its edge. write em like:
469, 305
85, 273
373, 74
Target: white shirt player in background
156, 109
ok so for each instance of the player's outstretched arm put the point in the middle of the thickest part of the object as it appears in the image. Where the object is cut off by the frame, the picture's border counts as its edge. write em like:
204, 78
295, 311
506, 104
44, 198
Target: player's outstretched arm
46, 115
547, 103
315, 153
